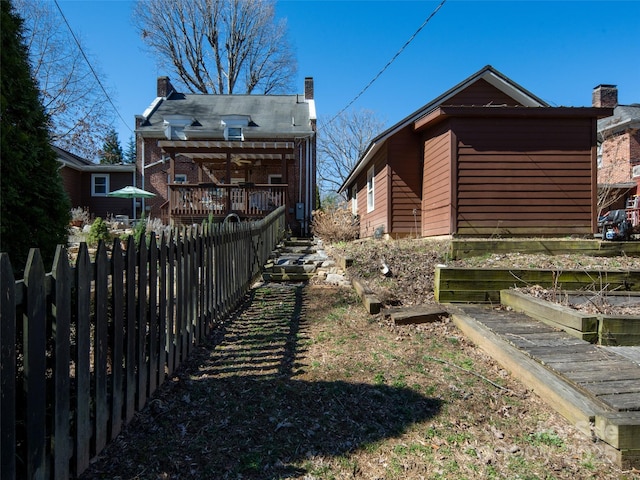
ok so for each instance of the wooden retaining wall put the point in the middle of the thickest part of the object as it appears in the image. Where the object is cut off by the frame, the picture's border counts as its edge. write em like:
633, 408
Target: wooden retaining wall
483, 285
598, 248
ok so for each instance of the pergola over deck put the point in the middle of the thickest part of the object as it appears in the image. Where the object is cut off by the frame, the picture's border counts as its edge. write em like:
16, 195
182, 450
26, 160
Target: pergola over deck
220, 161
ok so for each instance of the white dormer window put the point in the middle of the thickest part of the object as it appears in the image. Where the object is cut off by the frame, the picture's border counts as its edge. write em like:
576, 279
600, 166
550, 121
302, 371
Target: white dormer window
174, 126
234, 126
233, 133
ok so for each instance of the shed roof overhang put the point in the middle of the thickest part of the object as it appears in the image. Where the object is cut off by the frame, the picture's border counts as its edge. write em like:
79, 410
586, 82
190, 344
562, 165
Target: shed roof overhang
445, 112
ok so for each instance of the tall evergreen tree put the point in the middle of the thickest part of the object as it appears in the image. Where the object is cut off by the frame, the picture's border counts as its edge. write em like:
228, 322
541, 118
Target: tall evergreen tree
34, 208
130, 152
111, 152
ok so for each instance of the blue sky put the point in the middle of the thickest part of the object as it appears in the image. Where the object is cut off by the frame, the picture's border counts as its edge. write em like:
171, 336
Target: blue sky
557, 50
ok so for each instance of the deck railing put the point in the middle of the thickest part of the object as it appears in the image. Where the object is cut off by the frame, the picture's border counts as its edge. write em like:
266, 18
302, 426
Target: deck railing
246, 200
84, 346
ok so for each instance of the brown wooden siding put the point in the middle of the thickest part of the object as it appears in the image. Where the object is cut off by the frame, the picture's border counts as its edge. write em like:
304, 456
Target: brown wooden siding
405, 171
437, 184
72, 182
370, 221
530, 177
481, 93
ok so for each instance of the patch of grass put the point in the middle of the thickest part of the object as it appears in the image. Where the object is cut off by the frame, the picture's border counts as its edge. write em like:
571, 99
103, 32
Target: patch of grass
379, 379
400, 381
546, 437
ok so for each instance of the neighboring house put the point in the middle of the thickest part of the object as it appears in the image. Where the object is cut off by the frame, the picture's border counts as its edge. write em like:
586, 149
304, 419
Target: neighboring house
88, 183
486, 158
209, 156
619, 149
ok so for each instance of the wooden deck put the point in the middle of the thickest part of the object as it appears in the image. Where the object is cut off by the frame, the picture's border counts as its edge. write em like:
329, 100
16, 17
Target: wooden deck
590, 385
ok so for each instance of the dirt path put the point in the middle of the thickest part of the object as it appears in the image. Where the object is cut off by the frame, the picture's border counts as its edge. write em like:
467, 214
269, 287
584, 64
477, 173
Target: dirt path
302, 384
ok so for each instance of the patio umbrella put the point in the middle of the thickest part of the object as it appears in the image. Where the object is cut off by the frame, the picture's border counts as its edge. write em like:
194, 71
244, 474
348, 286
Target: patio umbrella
131, 192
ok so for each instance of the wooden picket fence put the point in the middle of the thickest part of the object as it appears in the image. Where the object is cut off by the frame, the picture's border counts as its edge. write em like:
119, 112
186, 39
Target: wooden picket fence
85, 346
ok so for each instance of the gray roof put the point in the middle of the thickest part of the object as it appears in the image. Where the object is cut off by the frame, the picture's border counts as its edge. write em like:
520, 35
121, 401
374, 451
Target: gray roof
70, 159
624, 116
75, 162
271, 116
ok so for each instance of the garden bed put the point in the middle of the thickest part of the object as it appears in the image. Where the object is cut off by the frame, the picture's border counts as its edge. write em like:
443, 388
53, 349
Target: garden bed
584, 315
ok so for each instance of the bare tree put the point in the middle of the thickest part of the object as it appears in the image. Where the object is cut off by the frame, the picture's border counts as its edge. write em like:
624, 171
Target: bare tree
79, 111
219, 46
341, 142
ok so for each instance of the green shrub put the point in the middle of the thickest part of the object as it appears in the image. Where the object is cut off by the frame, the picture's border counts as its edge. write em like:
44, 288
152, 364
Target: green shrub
140, 230
99, 231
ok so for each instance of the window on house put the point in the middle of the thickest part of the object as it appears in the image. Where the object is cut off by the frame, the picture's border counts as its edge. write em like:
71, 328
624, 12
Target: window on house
354, 200
275, 179
99, 185
370, 189
233, 126
233, 133
180, 178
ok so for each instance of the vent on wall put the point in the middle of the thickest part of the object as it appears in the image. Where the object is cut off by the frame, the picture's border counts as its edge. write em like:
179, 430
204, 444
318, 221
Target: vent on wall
635, 171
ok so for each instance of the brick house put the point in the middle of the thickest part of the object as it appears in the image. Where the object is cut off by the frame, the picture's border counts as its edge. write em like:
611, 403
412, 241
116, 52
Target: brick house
87, 184
618, 149
209, 156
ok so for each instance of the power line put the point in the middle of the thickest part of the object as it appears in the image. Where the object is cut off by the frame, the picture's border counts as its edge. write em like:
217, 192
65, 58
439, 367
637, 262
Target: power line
95, 75
390, 61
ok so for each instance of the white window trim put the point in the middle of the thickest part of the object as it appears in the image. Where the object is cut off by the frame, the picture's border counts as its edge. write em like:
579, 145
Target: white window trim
272, 176
354, 200
371, 190
228, 136
234, 122
182, 176
95, 176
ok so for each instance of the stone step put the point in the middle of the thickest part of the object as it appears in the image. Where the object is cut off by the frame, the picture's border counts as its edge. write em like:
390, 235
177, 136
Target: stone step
281, 269
287, 277
299, 242
306, 250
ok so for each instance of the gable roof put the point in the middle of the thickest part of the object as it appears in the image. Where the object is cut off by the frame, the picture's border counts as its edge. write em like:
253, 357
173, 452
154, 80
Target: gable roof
75, 162
488, 74
202, 115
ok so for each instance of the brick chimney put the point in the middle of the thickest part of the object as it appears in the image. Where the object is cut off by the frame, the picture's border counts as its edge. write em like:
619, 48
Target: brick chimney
164, 87
308, 88
605, 96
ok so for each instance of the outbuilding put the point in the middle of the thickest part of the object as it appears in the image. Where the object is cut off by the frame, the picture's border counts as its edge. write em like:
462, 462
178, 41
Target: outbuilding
486, 158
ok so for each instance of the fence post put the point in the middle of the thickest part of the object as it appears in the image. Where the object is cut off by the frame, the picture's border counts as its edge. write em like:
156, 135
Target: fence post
117, 339
153, 315
83, 367
35, 329
61, 440
141, 322
130, 330
100, 349
162, 308
8, 370
171, 294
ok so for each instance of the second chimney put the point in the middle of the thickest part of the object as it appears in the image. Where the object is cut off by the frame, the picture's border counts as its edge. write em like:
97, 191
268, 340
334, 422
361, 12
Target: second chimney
605, 96
308, 88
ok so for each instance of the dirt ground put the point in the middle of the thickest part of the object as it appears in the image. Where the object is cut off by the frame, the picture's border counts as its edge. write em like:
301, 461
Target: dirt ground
301, 383
412, 265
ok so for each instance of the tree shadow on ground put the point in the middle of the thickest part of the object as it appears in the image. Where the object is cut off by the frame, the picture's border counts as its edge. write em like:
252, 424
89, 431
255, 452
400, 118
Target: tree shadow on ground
237, 411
